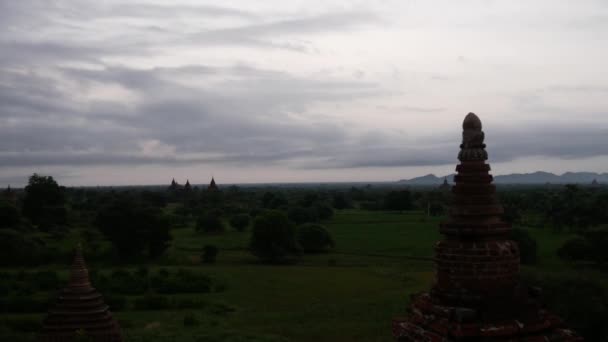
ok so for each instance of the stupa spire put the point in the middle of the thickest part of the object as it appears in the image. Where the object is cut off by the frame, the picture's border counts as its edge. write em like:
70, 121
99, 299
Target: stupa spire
80, 307
477, 295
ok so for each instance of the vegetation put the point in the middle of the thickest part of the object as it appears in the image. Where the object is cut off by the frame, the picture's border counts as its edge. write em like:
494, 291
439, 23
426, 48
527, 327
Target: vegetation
153, 253
273, 238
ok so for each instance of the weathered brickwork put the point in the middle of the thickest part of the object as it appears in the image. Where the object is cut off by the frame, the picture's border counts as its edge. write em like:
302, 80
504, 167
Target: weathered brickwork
80, 309
477, 295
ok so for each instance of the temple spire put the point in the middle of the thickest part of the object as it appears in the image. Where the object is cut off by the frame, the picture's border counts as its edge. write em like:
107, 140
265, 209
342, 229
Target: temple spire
79, 275
477, 295
80, 308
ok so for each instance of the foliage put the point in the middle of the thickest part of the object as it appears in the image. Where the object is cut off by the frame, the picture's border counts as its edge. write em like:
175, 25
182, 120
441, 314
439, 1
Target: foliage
239, 222
324, 211
528, 248
210, 222
399, 200
44, 202
341, 201
581, 301
209, 254
9, 216
273, 238
575, 249
152, 302
133, 229
17, 249
190, 320
314, 238
591, 246
300, 215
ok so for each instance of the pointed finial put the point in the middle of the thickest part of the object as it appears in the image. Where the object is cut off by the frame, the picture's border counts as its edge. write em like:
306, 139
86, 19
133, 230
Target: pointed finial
79, 276
471, 122
472, 147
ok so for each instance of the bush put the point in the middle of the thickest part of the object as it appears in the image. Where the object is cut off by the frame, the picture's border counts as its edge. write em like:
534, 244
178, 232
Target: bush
125, 282
190, 320
273, 238
151, 302
9, 215
182, 282
210, 222
527, 246
22, 324
239, 222
16, 249
324, 211
575, 249
300, 215
581, 302
116, 302
46, 280
314, 238
209, 254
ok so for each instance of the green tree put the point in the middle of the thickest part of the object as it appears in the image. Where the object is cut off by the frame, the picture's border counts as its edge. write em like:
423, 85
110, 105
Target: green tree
9, 215
273, 238
239, 222
210, 222
133, 229
398, 200
527, 246
44, 202
314, 238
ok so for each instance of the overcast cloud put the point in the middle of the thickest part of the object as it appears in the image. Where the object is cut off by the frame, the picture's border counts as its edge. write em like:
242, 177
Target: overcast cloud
119, 92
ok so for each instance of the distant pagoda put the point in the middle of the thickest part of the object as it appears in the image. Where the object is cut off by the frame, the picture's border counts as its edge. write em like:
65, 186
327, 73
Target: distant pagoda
445, 186
9, 194
212, 186
187, 186
80, 309
174, 185
477, 295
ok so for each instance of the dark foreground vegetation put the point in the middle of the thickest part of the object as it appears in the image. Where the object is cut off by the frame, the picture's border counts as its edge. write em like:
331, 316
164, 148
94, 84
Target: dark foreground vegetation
278, 263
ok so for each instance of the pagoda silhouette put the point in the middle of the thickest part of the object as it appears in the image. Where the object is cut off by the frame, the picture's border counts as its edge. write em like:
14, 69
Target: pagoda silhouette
212, 186
80, 309
477, 295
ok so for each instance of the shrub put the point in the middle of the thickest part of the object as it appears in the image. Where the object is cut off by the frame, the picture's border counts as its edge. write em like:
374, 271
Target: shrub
22, 324
300, 215
209, 254
575, 249
151, 302
273, 238
116, 302
127, 283
314, 238
239, 222
9, 215
46, 280
210, 222
582, 303
190, 320
324, 211
182, 282
527, 246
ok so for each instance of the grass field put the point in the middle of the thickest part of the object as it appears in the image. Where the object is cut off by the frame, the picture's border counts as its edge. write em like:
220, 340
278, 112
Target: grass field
350, 294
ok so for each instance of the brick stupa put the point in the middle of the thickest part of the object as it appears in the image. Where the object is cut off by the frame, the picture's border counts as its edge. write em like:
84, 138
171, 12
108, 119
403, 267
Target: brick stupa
477, 295
80, 309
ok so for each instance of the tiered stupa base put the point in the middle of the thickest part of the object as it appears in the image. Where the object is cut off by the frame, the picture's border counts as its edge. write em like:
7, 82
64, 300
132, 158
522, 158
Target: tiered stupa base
432, 322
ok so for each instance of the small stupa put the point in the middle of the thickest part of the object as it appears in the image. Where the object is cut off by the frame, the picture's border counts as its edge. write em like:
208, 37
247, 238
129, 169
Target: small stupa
212, 186
477, 295
80, 309
445, 186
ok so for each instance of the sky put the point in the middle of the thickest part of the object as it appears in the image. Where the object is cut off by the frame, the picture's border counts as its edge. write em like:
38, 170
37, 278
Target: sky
140, 92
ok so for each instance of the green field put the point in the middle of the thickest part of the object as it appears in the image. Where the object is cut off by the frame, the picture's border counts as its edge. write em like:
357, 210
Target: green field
350, 294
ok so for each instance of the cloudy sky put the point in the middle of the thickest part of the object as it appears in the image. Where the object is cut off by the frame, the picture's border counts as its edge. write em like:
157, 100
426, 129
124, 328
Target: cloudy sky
126, 92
